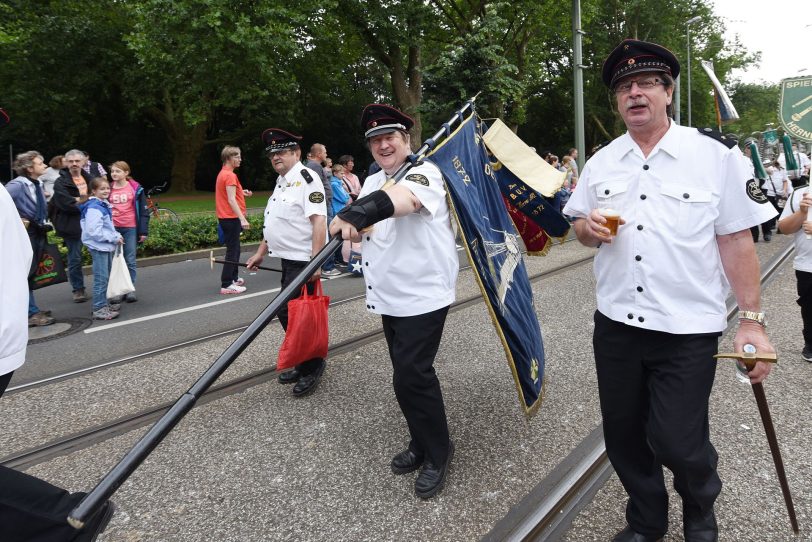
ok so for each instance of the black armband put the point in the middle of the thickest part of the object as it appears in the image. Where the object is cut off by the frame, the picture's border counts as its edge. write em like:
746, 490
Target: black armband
368, 210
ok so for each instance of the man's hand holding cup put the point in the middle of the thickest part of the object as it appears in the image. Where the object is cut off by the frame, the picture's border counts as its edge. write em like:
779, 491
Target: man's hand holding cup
603, 223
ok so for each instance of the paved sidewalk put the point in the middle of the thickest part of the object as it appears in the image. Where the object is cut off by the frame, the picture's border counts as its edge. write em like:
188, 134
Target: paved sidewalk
262, 465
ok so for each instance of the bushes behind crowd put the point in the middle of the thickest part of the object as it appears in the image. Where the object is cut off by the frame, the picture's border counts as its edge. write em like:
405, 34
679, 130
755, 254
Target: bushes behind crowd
187, 234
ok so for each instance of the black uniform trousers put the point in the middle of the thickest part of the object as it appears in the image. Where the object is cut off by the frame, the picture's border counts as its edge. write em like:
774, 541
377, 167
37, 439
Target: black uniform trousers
32, 510
805, 302
290, 270
231, 239
654, 389
413, 342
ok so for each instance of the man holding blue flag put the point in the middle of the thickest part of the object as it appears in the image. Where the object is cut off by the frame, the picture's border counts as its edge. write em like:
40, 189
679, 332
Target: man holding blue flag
410, 268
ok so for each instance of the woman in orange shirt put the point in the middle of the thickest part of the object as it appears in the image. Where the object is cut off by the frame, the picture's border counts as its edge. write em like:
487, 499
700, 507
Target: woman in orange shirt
229, 200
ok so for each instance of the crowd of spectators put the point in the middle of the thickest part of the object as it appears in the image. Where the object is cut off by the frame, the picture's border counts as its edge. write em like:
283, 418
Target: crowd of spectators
74, 196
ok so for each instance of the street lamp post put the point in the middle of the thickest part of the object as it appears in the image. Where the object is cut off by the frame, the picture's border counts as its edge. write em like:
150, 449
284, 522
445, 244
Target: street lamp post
688, 24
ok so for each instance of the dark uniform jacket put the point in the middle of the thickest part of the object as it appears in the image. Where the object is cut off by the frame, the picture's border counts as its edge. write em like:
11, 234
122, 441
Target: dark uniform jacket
65, 214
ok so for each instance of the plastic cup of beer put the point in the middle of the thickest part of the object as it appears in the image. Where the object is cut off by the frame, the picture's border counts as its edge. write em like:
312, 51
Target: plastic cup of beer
612, 220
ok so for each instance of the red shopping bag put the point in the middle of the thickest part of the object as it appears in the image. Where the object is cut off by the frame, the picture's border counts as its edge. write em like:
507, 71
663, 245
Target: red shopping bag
307, 334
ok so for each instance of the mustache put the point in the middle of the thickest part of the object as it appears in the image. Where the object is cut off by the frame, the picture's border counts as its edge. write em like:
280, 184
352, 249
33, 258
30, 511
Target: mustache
636, 101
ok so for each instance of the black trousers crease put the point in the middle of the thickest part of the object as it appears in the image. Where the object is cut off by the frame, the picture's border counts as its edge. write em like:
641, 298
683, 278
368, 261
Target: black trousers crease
413, 342
654, 391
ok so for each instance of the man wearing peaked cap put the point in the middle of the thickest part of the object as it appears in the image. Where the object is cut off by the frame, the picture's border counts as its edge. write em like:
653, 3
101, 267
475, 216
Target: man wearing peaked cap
295, 230
379, 119
635, 56
686, 201
410, 268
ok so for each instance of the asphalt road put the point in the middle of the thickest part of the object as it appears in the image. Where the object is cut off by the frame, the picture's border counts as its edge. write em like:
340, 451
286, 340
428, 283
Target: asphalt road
176, 302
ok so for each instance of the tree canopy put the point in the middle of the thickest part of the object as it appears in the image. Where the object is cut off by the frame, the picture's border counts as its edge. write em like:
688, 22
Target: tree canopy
164, 84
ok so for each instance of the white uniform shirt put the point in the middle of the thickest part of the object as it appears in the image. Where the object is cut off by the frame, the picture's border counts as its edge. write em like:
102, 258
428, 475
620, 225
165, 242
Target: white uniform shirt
801, 159
410, 263
774, 185
749, 166
13, 285
287, 228
663, 271
803, 246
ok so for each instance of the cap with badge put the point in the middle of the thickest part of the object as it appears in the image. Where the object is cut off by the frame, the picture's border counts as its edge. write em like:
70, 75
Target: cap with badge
378, 119
4, 118
276, 139
635, 56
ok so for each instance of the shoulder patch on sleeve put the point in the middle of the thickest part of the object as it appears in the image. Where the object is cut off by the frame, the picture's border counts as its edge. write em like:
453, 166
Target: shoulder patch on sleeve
316, 197
417, 178
754, 192
718, 136
307, 177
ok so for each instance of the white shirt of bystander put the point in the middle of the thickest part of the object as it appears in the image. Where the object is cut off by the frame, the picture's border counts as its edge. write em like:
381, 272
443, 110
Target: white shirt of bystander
17, 256
803, 246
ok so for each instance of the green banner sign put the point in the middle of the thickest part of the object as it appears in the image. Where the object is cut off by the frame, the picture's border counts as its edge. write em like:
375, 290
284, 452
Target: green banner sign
770, 137
795, 107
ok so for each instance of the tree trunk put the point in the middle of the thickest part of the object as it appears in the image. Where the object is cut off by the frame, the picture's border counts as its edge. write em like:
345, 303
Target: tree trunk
407, 88
186, 147
185, 141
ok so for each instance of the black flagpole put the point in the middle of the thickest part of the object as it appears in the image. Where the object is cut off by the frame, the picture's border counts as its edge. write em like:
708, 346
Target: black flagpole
108, 485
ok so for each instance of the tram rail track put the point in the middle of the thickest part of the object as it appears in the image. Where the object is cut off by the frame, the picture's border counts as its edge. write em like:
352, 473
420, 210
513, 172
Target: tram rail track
82, 439
547, 511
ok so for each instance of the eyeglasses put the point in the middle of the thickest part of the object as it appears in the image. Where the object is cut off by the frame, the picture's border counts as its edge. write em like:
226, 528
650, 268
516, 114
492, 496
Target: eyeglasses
647, 83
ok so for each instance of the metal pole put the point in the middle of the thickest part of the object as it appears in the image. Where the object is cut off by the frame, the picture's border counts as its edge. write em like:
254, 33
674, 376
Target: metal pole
688, 24
688, 34
90, 504
676, 100
578, 82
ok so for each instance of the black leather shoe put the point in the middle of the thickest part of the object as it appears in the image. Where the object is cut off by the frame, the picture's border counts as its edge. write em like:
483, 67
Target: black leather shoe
699, 528
307, 383
97, 523
406, 461
432, 478
767, 237
290, 377
628, 535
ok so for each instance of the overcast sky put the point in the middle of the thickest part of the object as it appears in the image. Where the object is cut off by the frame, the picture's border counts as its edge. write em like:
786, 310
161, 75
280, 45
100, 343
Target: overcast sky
780, 29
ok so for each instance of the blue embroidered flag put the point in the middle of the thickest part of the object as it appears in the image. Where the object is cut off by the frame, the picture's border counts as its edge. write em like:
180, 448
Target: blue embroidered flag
493, 247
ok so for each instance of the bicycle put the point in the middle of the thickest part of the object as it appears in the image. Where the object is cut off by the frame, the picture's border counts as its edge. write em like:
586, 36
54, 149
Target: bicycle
154, 210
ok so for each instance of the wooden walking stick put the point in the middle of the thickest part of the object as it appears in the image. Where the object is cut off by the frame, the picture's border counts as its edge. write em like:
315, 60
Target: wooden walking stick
213, 261
748, 358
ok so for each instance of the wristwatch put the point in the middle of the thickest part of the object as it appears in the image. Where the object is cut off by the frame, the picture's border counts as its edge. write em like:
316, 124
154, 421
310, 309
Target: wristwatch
758, 317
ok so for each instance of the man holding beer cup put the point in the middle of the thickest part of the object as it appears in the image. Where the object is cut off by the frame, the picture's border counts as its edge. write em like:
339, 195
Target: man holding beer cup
684, 202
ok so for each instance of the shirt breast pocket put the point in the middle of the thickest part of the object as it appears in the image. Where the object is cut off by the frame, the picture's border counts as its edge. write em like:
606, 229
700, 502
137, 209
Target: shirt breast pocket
289, 208
611, 194
689, 207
